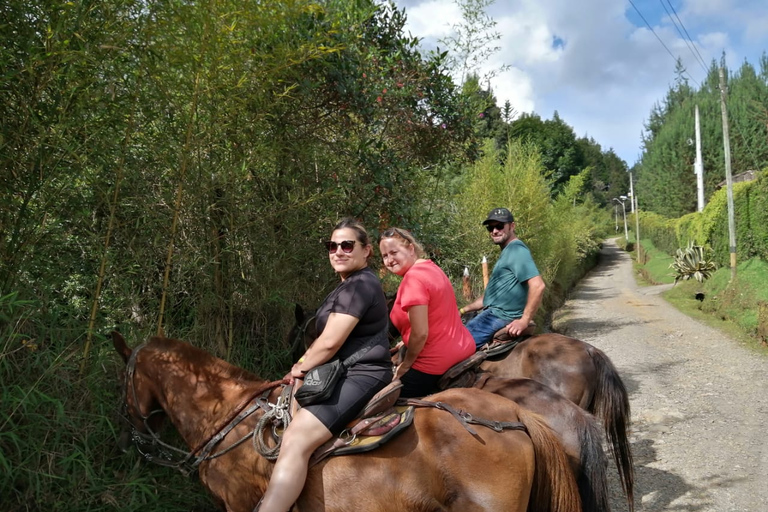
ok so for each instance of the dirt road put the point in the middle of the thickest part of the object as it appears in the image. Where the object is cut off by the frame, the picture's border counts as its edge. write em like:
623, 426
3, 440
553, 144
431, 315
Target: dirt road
699, 400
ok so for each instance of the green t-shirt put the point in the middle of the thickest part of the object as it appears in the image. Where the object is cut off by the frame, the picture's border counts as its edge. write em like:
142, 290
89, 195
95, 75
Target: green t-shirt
507, 290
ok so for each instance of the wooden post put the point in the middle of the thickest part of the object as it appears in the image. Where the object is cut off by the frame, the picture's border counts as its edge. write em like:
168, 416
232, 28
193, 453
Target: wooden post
485, 272
466, 290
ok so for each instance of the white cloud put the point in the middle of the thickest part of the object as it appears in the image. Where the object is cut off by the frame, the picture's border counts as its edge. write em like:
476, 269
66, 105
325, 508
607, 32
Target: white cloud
595, 61
432, 19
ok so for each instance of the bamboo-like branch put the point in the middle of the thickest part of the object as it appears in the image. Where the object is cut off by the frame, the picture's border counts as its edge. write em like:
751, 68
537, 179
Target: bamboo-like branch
107, 238
177, 205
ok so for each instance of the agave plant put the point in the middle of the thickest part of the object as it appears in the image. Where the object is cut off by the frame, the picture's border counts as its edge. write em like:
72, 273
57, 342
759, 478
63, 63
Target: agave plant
692, 263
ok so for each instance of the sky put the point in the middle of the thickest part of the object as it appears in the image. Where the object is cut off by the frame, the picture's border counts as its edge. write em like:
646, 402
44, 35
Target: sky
596, 62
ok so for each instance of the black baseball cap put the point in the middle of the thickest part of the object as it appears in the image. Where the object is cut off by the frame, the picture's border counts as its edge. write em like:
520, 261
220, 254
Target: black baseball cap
499, 215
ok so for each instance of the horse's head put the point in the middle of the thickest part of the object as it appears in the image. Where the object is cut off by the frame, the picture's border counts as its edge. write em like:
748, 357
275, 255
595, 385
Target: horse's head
141, 408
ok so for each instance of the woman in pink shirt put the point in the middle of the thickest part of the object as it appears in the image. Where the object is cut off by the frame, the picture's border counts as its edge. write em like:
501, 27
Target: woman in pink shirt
426, 314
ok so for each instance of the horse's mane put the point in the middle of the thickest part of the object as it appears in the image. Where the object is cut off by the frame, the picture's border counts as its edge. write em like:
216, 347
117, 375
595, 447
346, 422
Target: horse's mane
200, 358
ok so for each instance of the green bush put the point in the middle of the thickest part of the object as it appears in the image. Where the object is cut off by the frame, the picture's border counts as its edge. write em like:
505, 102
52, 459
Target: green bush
691, 263
709, 228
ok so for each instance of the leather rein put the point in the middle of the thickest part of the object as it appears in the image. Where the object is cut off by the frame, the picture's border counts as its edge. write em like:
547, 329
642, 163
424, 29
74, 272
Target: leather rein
188, 461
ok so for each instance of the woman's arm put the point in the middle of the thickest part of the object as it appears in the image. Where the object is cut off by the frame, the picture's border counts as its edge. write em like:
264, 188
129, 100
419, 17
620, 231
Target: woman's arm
337, 330
418, 317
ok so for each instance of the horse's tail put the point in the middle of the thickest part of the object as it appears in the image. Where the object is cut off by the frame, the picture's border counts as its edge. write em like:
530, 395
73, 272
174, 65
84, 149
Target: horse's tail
554, 486
611, 406
592, 480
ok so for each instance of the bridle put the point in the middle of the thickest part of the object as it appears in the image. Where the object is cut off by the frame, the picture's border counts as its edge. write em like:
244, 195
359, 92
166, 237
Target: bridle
187, 462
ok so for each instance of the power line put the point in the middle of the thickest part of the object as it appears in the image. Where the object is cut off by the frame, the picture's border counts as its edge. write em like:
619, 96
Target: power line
701, 59
662, 42
695, 56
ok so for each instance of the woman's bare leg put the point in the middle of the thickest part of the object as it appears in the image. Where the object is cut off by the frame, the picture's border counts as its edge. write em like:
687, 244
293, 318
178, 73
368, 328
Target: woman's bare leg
302, 437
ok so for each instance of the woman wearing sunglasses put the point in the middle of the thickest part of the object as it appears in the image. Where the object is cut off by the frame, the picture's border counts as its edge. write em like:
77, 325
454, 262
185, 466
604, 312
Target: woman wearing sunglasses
425, 313
351, 320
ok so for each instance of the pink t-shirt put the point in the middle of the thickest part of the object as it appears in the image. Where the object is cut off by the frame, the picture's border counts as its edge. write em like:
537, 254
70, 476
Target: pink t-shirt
448, 341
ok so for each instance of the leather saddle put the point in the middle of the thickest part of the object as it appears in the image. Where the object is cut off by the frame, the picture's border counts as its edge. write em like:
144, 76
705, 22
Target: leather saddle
379, 421
464, 375
502, 342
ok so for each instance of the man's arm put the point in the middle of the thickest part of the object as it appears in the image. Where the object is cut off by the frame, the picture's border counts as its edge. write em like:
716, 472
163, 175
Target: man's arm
536, 288
473, 306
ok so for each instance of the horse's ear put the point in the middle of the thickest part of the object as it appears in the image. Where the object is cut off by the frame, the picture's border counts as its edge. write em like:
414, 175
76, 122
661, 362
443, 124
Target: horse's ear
298, 312
122, 348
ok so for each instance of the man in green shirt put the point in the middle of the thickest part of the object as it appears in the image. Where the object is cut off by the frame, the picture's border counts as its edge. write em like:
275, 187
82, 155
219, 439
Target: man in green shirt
515, 287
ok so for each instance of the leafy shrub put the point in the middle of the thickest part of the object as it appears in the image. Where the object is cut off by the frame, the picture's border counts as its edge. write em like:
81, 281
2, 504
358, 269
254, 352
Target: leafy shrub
692, 263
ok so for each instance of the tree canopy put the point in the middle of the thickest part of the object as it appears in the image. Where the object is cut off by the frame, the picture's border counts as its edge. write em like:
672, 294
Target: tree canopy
667, 183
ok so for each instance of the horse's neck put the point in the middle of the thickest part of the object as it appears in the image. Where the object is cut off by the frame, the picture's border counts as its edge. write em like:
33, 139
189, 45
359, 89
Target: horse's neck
197, 403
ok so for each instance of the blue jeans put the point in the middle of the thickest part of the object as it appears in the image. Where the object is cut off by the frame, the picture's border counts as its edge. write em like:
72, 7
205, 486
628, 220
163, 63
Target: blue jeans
484, 326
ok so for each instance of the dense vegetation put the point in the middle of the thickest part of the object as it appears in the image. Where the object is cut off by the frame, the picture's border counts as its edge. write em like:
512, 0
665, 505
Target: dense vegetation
172, 167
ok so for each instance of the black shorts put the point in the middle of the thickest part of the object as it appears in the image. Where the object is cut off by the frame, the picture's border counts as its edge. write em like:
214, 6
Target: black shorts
353, 391
417, 384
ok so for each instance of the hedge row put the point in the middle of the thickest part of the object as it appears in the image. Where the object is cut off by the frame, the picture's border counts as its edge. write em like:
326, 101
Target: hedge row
710, 227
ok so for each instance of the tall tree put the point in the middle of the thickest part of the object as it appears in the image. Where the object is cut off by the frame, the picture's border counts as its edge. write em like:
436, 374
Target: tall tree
473, 41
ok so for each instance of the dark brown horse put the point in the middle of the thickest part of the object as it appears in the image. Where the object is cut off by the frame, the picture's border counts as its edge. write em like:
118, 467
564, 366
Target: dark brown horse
583, 374
576, 429
435, 464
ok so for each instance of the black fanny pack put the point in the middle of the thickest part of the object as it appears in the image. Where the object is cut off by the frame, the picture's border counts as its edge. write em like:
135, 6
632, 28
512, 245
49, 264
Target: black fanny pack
320, 381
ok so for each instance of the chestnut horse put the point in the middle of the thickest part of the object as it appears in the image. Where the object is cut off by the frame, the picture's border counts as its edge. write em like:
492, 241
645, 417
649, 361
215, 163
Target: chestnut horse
573, 368
434, 464
583, 374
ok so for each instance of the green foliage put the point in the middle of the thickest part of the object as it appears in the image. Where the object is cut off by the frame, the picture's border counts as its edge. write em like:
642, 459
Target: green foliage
561, 155
691, 263
660, 230
624, 244
710, 227
667, 183
269, 121
58, 430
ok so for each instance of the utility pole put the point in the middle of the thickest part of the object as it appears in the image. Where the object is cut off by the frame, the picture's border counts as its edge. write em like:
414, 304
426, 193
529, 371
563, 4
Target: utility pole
728, 178
698, 166
624, 211
631, 194
638, 249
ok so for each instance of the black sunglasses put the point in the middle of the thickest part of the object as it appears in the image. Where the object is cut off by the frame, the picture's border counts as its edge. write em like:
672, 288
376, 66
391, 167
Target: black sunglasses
491, 227
347, 246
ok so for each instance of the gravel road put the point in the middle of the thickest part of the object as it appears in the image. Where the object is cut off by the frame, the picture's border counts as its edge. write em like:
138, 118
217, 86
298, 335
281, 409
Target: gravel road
699, 399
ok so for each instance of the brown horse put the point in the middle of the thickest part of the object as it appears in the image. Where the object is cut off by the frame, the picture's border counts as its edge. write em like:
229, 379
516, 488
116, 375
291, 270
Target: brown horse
576, 429
435, 464
583, 374
575, 369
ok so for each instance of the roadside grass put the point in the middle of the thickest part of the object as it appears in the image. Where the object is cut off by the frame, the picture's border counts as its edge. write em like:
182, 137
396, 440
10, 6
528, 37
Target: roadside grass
731, 307
654, 265
59, 429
